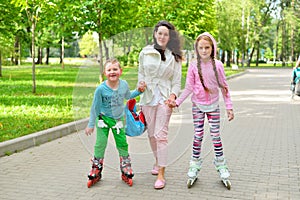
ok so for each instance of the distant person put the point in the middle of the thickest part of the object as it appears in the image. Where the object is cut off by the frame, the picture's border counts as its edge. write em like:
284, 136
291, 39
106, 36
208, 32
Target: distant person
295, 83
160, 68
107, 112
205, 77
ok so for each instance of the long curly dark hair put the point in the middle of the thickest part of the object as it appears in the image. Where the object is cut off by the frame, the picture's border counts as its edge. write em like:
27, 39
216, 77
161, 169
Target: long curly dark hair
174, 43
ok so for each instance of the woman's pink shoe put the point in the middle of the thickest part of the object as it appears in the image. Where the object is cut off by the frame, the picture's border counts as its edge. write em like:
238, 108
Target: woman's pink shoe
155, 169
159, 184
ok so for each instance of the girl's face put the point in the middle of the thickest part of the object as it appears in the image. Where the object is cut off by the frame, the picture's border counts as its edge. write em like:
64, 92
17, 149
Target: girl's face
112, 72
204, 48
162, 36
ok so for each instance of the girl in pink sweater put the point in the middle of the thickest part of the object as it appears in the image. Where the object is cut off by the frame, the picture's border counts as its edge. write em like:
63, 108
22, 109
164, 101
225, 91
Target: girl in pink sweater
204, 79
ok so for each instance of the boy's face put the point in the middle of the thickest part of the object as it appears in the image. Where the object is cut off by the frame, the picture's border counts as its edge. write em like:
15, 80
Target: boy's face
112, 71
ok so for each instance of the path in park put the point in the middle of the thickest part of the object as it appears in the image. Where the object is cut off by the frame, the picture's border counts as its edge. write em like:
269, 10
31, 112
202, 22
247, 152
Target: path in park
261, 146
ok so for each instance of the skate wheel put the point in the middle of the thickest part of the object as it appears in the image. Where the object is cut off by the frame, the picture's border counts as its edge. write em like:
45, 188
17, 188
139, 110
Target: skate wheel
89, 183
130, 182
228, 184
189, 183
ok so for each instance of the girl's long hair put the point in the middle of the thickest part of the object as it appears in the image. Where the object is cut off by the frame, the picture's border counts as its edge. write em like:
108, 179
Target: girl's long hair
207, 38
174, 43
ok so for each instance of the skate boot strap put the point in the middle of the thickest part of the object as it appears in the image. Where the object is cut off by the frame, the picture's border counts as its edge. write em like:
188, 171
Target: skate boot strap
221, 167
194, 166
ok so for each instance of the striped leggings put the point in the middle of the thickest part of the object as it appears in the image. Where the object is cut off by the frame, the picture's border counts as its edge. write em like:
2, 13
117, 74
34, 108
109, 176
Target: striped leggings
214, 125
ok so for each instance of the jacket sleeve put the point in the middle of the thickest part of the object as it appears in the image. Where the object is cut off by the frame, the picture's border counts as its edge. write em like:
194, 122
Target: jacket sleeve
176, 81
141, 73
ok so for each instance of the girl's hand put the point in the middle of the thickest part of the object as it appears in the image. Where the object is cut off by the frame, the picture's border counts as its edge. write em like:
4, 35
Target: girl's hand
88, 131
230, 114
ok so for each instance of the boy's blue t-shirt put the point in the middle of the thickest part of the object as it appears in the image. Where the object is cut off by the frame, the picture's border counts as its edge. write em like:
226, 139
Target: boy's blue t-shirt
109, 102
296, 74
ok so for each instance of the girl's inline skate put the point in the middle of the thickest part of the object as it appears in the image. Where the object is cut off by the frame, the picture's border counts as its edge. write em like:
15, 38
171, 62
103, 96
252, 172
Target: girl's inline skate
95, 173
126, 170
195, 166
220, 164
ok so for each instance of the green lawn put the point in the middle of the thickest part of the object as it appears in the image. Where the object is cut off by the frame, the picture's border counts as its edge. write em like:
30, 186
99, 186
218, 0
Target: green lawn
62, 95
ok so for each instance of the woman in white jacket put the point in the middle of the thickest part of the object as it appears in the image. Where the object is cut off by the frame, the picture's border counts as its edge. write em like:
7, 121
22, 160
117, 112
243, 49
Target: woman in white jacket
160, 70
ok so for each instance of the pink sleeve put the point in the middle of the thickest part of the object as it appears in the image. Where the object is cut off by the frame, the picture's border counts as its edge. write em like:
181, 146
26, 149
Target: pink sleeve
189, 83
222, 79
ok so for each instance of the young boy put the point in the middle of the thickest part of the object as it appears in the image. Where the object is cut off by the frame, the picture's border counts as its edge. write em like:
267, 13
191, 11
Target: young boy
107, 112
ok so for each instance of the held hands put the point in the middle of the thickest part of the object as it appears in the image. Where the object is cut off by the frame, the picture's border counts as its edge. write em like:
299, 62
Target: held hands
171, 101
230, 114
142, 86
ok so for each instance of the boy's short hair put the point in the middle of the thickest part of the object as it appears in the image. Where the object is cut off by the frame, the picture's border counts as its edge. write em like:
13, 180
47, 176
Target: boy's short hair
112, 61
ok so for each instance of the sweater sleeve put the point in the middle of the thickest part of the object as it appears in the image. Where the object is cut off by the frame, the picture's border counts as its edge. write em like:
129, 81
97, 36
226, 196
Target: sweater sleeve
189, 83
95, 109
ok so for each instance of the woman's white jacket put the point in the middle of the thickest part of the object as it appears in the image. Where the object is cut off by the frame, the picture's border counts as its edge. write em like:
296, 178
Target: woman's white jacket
164, 75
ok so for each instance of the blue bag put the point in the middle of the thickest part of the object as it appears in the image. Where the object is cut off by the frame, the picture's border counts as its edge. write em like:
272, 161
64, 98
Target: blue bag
135, 121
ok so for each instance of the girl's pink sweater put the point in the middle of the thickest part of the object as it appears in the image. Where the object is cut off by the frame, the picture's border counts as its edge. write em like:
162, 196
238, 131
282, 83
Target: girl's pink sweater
194, 86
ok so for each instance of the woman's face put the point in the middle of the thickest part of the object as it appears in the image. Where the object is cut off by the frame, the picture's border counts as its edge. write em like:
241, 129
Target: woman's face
162, 36
204, 48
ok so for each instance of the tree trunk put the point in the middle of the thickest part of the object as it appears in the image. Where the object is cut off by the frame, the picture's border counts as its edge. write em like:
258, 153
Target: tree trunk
100, 45
228, 59
100, 57
250, 56
40, 56
106, 50
257, 53
33, 54
47, 55
0, 63
62, 52
16, 56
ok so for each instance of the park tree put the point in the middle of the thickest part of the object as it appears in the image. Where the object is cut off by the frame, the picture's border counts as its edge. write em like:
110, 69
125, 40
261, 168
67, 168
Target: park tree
33, 9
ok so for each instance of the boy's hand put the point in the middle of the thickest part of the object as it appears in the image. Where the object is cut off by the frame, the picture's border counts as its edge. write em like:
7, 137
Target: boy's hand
230, 114
88, 131
142, 86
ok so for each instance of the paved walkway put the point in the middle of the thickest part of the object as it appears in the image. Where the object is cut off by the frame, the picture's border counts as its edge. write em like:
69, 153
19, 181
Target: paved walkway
261, 146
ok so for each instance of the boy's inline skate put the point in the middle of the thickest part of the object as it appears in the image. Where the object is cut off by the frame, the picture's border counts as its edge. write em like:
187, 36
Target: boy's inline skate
195, 166
126, 170
95, 173
220, 164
